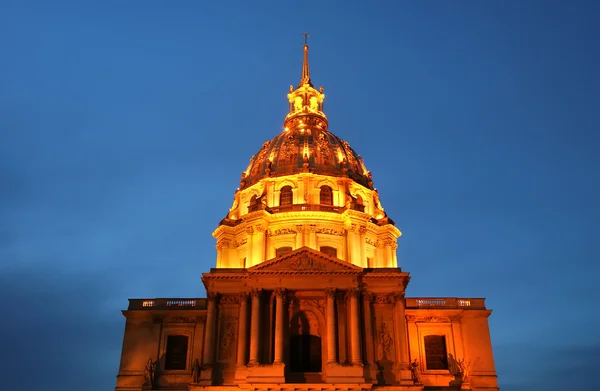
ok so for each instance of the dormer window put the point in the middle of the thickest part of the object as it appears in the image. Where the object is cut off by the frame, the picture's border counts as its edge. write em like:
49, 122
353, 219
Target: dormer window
326, 196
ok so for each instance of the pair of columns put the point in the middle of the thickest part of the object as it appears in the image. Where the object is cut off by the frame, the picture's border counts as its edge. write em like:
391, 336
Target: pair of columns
255, 327
354, 329
209, 331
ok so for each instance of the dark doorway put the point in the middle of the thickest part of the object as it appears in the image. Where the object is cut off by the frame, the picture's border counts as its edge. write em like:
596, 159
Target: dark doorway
305, 353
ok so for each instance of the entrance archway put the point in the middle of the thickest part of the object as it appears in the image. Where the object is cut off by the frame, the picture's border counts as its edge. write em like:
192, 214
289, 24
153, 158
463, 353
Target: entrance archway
305, 343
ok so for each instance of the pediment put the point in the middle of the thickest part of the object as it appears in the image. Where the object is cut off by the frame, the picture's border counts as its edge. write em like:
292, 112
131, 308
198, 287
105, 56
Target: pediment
305, 260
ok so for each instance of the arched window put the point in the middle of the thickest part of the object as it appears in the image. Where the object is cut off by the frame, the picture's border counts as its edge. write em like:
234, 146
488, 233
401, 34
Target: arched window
359, 200
253, 207
286, 197
331, 251
359, 206
282, 250
326, 196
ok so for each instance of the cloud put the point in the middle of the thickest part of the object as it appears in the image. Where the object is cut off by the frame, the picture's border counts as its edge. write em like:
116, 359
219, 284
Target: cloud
59, 332
548, 368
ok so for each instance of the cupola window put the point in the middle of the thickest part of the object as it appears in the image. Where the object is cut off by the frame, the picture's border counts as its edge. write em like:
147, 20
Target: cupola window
326, 196
286, 196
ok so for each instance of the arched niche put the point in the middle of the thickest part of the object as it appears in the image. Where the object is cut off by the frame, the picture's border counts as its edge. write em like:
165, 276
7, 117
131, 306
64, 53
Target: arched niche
306, 344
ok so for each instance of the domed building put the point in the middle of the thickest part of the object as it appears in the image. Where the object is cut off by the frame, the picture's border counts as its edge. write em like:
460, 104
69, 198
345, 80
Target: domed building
307, 292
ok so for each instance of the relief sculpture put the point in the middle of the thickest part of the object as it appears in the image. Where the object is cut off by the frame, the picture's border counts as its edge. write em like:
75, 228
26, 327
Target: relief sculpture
227, 340
384, 341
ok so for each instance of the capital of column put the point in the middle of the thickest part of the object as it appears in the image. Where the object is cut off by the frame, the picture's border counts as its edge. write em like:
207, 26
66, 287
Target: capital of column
280, 293
243, 296
212, 296
256, 292
300, 228
249, 230
362, 229
398, 297
312, 228
260, 228
354, 292
369, 297
330, 292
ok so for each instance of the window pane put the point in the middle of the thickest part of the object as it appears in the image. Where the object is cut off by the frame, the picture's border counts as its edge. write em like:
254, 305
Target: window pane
435, 352
176, 356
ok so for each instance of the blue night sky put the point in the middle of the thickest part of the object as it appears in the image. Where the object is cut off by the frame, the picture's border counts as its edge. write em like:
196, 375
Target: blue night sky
125, 126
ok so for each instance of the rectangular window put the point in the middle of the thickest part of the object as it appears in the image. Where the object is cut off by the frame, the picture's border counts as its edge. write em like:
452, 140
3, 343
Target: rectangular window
331, 251
435, 352
282, 250
176, 356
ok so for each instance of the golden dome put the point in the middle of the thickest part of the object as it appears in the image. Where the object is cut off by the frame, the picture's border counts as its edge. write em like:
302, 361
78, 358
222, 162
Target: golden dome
306, 145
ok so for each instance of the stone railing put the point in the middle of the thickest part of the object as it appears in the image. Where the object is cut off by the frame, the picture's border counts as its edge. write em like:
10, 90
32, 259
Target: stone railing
304, 208
445, 302
167, 304
307, 208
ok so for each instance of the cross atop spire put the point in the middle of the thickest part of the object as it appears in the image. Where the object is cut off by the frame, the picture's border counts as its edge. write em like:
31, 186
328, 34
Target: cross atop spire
306, 36
305, 69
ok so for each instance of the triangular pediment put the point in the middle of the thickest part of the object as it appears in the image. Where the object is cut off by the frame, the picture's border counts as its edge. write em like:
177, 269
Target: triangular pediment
305, 260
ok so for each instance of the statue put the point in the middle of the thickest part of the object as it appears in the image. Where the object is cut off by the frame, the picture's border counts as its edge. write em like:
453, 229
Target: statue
196, 370
305, 161
463, 370
243, 180
150, 372
414, 372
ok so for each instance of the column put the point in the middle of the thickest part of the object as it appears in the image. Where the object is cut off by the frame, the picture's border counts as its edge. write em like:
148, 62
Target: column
209, 330
388, 252
258, 244
249, 254
254, 336
312, 242
279, 308
331, 337
368, 318
394, 255
401, 337
299, 236
242, 329
362, 230
355, 347
219, 254
353, 246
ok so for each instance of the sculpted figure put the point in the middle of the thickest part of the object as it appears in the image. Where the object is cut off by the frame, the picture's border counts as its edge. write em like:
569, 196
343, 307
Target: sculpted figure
463, 370
414, 372
149, 372
196, 369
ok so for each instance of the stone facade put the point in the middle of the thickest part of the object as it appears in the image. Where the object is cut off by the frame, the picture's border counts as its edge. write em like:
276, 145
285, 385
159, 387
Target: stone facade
307, 292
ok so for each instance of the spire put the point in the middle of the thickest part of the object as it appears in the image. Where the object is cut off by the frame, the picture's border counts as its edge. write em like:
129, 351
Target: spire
305, 100
305, 69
